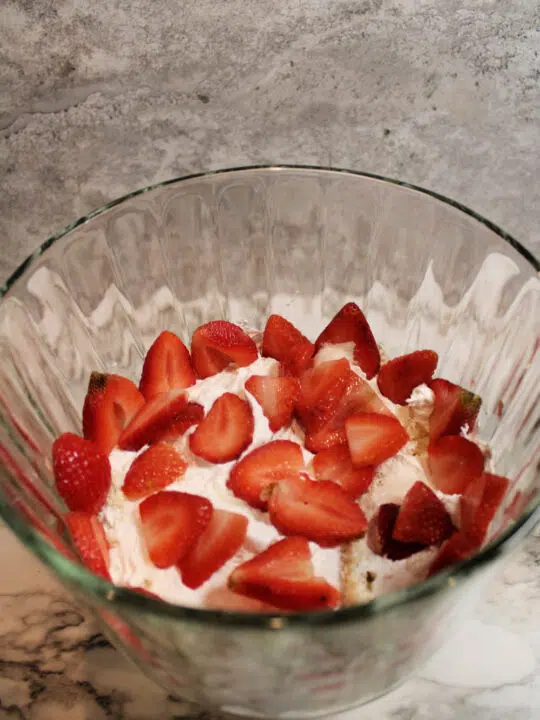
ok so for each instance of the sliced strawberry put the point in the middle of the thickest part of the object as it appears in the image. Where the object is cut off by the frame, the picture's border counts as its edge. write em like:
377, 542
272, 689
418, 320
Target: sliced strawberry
318, 510
222, 538
223, 598
480, 502
335, 464
422, 518
453, 408
158, 466
277, 397
90, 540
171, 522
191, 414
282, 575
263, 466
373, 438
111, 402
282, 341
379, 535
217, 344
453, 462
225, 432
82, 473
167, 366
350, 325
457, 548
398, 377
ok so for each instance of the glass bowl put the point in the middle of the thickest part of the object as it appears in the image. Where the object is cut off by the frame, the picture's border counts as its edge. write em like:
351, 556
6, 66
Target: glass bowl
241, 244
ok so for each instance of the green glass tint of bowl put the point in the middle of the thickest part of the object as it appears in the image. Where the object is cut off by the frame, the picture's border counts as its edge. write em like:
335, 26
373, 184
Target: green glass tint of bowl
240, 245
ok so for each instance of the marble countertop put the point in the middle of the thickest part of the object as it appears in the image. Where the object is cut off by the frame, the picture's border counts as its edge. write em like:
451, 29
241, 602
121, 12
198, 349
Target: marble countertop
98, 98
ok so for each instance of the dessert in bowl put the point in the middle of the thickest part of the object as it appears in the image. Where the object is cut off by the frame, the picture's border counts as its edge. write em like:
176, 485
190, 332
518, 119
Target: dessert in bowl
241, 247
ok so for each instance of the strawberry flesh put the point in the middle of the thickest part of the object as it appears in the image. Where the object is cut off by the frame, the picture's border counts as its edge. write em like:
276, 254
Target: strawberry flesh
379, 535
335, 464
82, 473
89, 538
453, 408
225, 432
454, 462
479, 503
374, 438
422, 518
167, 366
219, 343
158, 466
154, 420
277, 397
457, 548
190, 414
223, 598
282, 341
398, 377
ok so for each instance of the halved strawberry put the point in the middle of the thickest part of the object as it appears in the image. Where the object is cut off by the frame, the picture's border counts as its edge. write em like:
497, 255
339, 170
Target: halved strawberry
453, 462
191, 414
111, 402
282, 341
217, 344
283, 576
321, 390
373, 438
90, 540
453, 408
457, 548
335, 464
350, 325
398, 377
263, 466
158, 466
167, 366
422, 517
480, 502
379, 535
82, 473
277, 397
319, 510
171, 522
225, 432
222, 598
220, 541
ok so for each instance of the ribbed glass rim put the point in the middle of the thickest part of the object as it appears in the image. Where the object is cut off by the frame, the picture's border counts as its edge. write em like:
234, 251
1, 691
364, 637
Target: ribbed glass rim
77, 574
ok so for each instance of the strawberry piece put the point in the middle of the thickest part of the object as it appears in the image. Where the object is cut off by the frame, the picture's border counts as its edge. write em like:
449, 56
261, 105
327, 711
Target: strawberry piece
398, 377
318, 510
82, 473
263, 466
335, 464
158, 466
350, 325
222, 538
111, 402
422, 518
191, 414
453, 408
283, 576
282, 341
167, 366
457, 548
217, 344
171, 522
453, 462
479, 503
223, 598
277, 397
225, 432
90, 540
379, 535
373, 438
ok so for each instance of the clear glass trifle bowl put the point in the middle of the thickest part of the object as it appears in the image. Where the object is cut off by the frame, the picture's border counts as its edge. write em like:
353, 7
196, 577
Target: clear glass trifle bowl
239, 245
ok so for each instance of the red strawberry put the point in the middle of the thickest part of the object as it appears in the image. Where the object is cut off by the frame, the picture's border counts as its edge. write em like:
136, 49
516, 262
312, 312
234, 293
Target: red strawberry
350, 325
282, 575
171, 522
398, 377
263, 466
167, 366
379, 535
225, 432
282, 341
453, 408
422, 518
190, 414
373, 438
453, 462
217, 344
110, 404
276, 395
222, 538
457, 548
479, 503
319, 510
82, 473
224, 599
90, 540
335, 464
158, 466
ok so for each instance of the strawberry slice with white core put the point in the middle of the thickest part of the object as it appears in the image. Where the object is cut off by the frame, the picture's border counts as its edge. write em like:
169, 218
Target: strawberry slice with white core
263, 466
422, 518
374, 438
110, 404
454, 462
225, 432
335, 464
82, 473
283, 576
167, 366
151, 471
179, 423
219, 343
453, 408
90, 540
222, 538
277, 397
398, 377
282, 341
379, 535
320, 511
171, 522
480, 502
